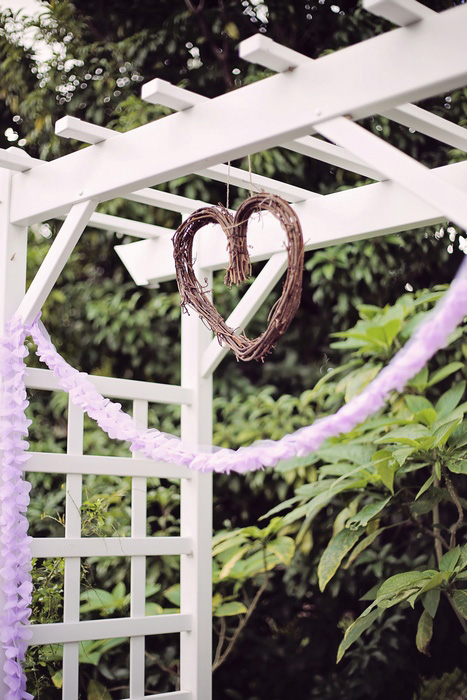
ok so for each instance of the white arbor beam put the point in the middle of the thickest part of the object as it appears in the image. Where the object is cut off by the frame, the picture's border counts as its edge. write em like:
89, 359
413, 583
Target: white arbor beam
73, 128
429, 124
362, 212
400, 168
353, 81
247, 307
15, 159
55, 260
400, 12
138, 229
161, 92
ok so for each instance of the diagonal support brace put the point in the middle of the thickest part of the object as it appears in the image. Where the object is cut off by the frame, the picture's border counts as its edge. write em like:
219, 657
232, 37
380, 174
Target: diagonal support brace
55, 260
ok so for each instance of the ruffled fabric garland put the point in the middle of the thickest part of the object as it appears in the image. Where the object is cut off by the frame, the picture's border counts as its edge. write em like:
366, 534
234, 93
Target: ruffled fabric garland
431, 335
15, 557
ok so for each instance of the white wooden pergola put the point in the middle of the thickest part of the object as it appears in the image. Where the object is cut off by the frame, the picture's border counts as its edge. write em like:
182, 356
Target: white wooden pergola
426, 56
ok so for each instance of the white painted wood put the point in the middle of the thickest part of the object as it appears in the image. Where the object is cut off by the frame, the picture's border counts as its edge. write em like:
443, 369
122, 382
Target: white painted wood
13, 248
352, 81
110, 546
400, 168
72, 579
430, 124
176, 695
129, 227
16, 159
268, 53
141, 259
138, 562
161, 92
55, 260
115, 388
196, 513
54, 463
363, 212
61, 632
246, 308
73, 128
165, 200
400, 12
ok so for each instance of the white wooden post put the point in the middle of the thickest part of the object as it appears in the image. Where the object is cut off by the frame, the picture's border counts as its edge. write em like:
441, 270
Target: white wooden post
196, 513
13, 247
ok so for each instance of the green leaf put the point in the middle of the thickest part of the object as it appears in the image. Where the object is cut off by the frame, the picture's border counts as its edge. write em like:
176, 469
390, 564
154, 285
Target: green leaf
449, 400
408, 435
283, 548
443, 433
400, 582
444, 372
235, 607
173, 594
362, 545
386, 472
96, 691
419, 382
334, 553
430, 601
449, 560
153, 609
425, 486
460, 601
368, 512
229, 565
417, 403
458, 466
424, 632
355, 631
57, 679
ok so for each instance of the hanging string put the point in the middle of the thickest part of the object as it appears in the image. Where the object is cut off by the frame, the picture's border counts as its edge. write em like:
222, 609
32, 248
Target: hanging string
249, 170
228, 186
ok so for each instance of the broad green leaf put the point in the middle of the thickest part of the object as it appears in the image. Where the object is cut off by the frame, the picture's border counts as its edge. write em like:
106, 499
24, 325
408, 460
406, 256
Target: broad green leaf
362, 545
430, 601
235, 607
173, 594
386, 471
458, 466
229, 565
427, 501
462, 563
460, 601
424, 632
449, 560
98, 599
399, 582
425, 486
444, 372
355, 631
420, 380
153, 609
415, 404
443, 433
368, 512
57, 679
449, 400
285, 465
334, 554
283, 549
436, 580
96, 691
427, 416
224, 545
408, 435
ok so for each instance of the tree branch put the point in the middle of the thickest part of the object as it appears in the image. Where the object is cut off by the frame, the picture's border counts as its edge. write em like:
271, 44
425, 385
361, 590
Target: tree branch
457, 503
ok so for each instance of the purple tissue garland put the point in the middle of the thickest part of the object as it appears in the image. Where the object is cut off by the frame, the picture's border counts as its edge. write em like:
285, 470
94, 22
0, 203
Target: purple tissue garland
430, 336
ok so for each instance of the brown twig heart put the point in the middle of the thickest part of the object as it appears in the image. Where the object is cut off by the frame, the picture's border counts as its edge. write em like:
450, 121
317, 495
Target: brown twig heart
194, 295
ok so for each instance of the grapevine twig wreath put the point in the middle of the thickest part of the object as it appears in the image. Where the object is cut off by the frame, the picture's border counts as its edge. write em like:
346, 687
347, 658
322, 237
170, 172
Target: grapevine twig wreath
195, 296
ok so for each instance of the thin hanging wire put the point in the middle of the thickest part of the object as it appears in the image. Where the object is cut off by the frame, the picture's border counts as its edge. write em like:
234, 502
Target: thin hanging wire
228, 186
249, 170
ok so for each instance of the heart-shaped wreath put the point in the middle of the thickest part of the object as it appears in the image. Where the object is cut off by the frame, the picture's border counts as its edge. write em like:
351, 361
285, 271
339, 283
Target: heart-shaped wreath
195, 296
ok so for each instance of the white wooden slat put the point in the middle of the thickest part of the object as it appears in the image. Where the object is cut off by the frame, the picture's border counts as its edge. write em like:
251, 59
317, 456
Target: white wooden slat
55, 463
429, 124
400, 12
363, 212
13, 257
114, 388
161, 92
246, 308
355, 81
138, 229
138, 563
55, 260
48, 547
400, 168
72, 578
63, 632
165, 200
196, 513
16, 160
73, 128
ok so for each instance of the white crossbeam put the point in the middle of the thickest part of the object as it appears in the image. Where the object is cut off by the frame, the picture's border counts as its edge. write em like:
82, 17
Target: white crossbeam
429, 124
400, 168
62, 632
55, 463
51, 547
400, 12
15, 159
161, 92
129, 227
352, 81
350, 215
73, 128
55, 260
245, 310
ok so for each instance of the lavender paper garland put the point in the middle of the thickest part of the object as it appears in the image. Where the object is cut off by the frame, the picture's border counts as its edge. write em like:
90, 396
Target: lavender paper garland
431, 335
15, 557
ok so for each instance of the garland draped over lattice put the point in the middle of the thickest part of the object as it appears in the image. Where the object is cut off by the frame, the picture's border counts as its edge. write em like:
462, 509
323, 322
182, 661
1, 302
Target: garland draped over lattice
431, 335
